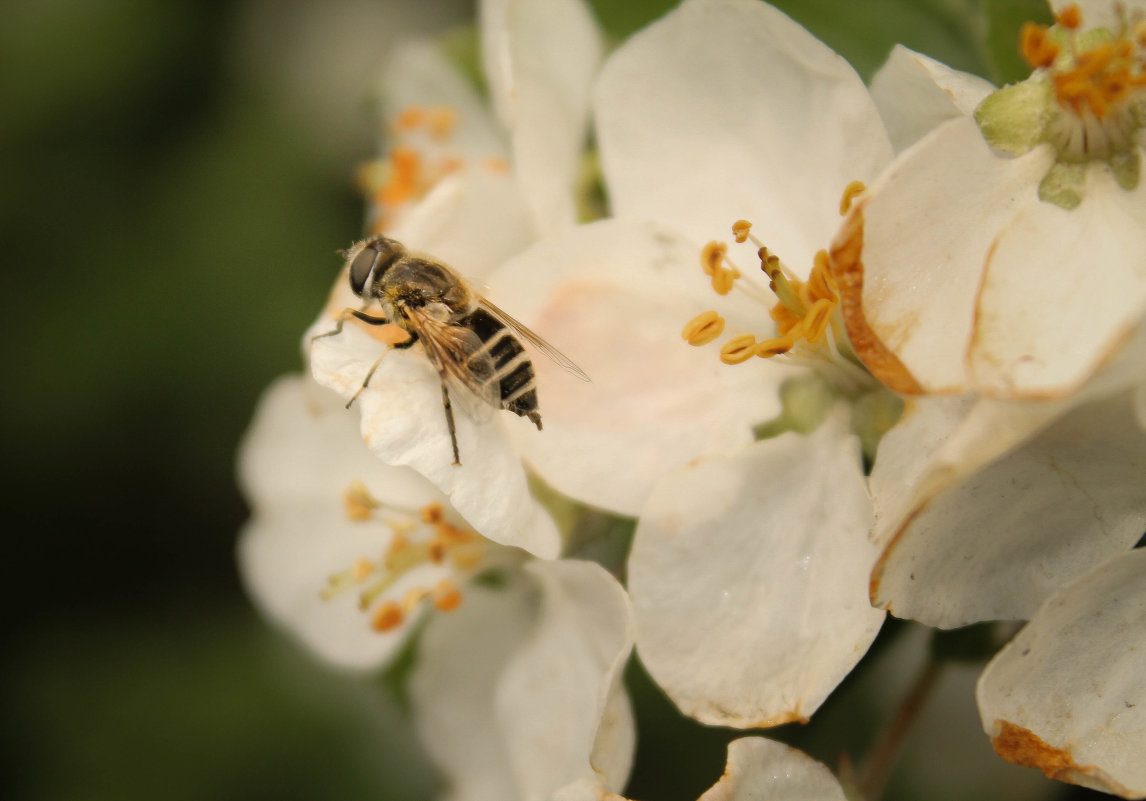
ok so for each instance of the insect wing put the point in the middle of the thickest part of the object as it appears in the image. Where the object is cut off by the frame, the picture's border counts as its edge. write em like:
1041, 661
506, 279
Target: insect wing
533, 339
457, 354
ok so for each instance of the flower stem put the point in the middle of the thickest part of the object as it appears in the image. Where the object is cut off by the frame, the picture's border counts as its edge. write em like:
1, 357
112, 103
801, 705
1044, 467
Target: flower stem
885, 752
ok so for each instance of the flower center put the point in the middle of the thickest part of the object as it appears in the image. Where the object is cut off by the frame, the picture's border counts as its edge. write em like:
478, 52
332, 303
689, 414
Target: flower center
809, 328
425, 151
418, 540
1098, 80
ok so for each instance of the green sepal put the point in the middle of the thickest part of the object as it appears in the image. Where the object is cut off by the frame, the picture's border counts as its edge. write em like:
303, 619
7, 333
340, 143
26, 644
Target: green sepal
1063, 185
1014, 118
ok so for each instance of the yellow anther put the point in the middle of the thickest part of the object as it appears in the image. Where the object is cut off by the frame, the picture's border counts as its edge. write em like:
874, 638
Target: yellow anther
821, 284
357, 501
405, 170
785, 320
410, 118
738, 349
432, 513
703, 328
774, 347
851, 192
387, 333
442, 121
712, 256
387, 616
741, 229
723, 279
446, 596
1069, 17
817, 319
1036, 46
362, 569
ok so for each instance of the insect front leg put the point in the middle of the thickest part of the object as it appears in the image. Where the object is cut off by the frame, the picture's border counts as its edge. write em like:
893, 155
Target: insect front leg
344, 314
370, 373
450, 421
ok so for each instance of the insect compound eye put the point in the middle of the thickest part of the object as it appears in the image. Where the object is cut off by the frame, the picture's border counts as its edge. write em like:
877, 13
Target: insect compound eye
360, 268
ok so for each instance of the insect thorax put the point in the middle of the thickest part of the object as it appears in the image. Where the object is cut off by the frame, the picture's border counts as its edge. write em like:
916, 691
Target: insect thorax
417, 282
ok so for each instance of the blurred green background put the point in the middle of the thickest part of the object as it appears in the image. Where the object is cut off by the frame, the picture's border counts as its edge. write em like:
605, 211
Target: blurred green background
176, 177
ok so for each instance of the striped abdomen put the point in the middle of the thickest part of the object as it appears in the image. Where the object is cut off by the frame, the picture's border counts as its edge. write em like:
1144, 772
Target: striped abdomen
512, 368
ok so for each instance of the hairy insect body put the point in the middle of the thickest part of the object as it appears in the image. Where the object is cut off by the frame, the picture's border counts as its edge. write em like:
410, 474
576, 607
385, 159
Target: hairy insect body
469, 341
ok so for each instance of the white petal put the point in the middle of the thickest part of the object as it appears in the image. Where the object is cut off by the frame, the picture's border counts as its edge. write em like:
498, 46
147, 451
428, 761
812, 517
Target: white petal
997, 543
560, 701
418, 74
765, 769
614, 296
454, 221
928, 225
749, 579
540, 60
461, 656
1068, 694
517, 693
1062, 290
403, 422
727, 109
915, 93
295, 463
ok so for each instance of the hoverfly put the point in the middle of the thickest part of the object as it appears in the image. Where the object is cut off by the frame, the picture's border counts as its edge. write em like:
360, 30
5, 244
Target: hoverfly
470, 342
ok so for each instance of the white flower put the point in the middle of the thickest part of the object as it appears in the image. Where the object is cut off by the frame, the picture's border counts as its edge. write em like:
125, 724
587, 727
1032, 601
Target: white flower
962, 273
761, 768
519, 695
343, 550
516, 687
750, 565
469, 191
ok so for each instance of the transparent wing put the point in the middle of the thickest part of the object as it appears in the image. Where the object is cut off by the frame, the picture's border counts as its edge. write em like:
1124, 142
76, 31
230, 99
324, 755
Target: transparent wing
457, 354
533, 339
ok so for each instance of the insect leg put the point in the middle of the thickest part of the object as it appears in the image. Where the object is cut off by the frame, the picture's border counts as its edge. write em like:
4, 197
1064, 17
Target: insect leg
370, 374
345, 313
450, 421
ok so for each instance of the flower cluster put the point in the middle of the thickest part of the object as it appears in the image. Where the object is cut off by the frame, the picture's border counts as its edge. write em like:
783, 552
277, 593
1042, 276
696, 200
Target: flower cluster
911, 382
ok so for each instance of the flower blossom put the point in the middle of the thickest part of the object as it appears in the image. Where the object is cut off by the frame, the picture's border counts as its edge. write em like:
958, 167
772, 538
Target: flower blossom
469, 188
750, 564
995, 269
349, 554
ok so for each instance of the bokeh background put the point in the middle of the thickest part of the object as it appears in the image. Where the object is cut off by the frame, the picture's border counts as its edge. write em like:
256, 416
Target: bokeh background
177, 175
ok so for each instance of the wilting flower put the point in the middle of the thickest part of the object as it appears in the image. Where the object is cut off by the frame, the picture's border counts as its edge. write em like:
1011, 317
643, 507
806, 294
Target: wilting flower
750, 565
470, 190
517, 682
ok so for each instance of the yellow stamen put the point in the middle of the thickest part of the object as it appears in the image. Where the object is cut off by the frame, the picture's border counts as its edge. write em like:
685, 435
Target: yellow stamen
774, 347
1036, 46
738, 349
741, 229
432, 513
446, 596
711, 257
357, 501
703, 328
405, 165
410, 118
851, 192
1070, 17
442, 121
386, 617
817, 319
